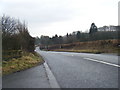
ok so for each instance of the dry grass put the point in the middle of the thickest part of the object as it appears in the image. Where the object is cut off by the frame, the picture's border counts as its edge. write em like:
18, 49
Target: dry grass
78, 51
99, 46
25, 62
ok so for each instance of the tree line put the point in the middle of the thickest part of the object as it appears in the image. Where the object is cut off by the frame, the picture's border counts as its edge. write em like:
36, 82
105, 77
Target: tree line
78, 36
15, 35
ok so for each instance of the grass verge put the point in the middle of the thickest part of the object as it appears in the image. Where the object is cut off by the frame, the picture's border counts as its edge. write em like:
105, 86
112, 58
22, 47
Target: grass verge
96, 47
79, 51
28, 60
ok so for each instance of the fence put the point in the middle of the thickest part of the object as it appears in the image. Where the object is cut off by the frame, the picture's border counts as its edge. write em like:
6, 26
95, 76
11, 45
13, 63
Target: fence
9, 54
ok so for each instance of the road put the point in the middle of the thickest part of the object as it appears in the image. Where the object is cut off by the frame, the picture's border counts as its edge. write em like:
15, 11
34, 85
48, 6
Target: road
31, 78
71, 70
81, 70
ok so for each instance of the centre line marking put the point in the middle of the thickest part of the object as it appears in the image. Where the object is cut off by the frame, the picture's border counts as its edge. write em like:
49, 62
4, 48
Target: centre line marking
111, 64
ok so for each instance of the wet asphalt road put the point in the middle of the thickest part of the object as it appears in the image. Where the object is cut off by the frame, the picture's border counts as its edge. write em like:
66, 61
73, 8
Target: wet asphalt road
31, 78
71, 70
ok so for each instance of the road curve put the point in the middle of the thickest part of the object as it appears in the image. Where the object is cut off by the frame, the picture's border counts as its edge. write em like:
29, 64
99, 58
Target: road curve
73, 70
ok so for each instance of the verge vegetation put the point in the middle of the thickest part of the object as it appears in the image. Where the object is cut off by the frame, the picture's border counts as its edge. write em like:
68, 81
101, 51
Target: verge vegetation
17, 46
27, 60
99, 46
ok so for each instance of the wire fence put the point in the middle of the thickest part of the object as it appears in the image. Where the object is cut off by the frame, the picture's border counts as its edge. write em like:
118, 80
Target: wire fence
9, 54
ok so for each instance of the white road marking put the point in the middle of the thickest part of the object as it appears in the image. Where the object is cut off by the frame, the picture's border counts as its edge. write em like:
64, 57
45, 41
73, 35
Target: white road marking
52, 79
115, 65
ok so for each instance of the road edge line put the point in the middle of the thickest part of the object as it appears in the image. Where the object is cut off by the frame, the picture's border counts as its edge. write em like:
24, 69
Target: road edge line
52, 80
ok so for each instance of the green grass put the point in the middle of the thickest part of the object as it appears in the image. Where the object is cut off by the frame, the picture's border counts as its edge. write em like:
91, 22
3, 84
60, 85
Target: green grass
28, 60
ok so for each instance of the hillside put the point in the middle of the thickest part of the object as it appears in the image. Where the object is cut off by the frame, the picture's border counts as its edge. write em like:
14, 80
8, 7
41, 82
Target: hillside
99, 46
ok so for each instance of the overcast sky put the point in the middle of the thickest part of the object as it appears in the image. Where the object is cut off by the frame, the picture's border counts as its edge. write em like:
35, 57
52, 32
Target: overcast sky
50, 17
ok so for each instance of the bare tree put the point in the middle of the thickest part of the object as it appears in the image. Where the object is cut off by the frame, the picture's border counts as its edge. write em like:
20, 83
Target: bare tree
15, 35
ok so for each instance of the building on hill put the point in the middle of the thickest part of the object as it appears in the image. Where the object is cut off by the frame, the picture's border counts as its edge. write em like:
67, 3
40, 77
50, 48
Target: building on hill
109, 28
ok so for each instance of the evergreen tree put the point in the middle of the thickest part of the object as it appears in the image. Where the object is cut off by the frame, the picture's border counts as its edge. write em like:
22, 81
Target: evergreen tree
78, 36
93, 28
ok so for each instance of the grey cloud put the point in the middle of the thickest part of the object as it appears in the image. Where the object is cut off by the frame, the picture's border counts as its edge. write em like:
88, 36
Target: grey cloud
43, 11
